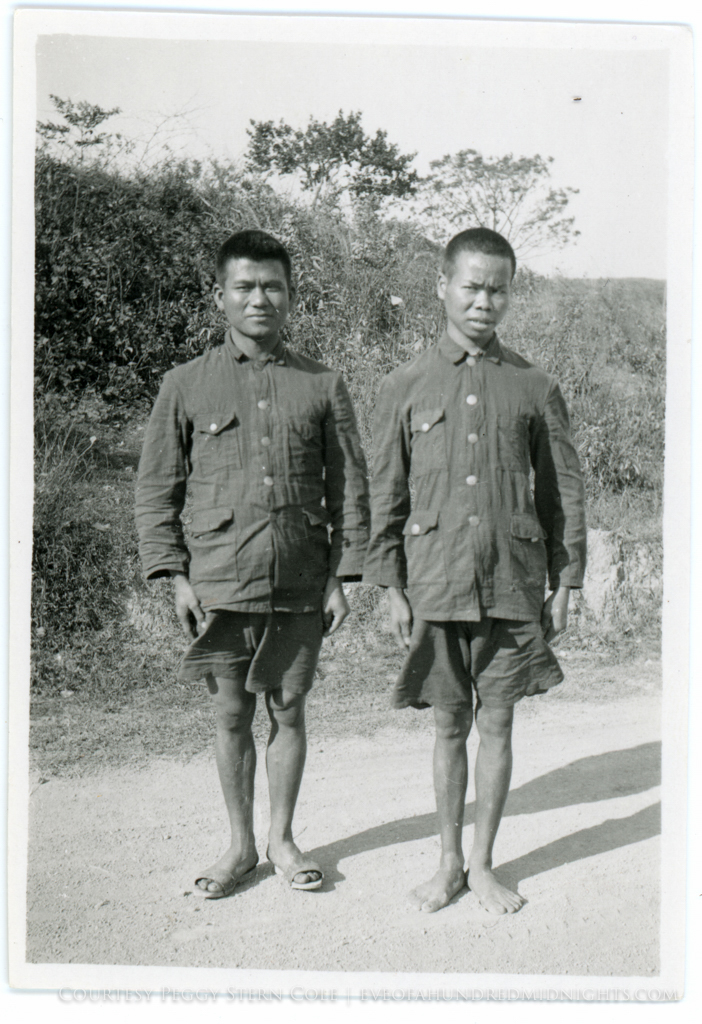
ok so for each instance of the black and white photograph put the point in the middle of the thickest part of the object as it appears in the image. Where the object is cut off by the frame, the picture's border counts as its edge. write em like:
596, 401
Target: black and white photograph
350, 566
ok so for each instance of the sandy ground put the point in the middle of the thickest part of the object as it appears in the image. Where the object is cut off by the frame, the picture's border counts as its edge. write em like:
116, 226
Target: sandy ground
113, 858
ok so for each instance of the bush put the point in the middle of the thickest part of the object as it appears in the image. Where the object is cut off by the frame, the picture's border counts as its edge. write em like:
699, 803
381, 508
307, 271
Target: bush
124, 278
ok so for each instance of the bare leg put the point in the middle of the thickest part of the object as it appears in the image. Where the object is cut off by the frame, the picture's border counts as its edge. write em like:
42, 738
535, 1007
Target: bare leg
236, 764
285, 761
450, 783
493, 771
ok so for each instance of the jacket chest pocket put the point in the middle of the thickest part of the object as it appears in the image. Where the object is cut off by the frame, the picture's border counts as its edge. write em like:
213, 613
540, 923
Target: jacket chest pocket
217, 441
513, 444
428, 429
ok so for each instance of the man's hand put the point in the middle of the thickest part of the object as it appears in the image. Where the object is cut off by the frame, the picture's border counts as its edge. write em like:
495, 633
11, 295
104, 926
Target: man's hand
554, 616
187, 606
335, 607
400, 617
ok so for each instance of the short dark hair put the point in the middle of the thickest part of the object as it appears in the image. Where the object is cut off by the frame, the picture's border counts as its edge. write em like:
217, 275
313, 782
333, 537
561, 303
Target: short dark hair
252, 245
477, 240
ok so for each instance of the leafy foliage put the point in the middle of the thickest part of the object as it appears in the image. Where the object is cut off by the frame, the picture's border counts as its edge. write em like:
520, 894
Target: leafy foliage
505, 194
333, 158
123, 292
80, 121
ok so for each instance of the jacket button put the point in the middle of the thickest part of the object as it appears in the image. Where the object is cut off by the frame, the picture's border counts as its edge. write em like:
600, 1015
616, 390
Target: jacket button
425, 427
265, 441
474, 520
472, 399
416, 528
213, 427
473, 438
534, 540
471, 360
263, 404
471, 480
268, 481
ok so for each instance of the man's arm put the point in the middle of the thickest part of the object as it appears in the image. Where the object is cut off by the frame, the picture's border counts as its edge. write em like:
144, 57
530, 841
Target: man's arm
161, 485
345, 490
335, 607
559, 494
187, 605
386, 565
400, 617
554, 617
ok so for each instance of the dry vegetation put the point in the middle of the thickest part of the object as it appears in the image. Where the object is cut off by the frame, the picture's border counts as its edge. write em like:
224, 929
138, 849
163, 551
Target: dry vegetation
111, 317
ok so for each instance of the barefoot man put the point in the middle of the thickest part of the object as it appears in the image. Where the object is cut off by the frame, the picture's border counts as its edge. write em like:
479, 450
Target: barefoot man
498, 509
264, 443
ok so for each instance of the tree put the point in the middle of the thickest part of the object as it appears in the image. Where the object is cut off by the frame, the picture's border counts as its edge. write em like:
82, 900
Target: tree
512, 196
333, 158
81, 120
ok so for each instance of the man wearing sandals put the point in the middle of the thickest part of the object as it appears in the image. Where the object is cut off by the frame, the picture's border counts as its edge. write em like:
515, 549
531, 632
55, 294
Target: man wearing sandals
498, 506
264, 442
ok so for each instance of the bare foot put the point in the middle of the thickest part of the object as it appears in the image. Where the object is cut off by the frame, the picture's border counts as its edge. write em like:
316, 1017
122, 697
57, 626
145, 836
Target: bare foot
439, 890
286, 857
223, 877
493, 895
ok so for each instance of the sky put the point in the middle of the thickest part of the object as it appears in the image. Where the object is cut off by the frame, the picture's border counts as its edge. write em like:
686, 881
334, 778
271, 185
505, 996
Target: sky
497, 93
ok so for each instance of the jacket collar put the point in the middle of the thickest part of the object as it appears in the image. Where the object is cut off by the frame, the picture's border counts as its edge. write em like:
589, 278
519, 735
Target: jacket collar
276, 356
456, 354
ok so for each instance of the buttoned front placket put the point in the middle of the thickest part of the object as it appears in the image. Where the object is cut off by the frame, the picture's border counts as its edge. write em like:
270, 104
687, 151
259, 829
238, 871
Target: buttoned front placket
263, 451
475, 412
262, 395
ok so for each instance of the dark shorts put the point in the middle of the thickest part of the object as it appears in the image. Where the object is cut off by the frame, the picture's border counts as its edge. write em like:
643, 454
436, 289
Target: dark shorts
501, 660
278, 650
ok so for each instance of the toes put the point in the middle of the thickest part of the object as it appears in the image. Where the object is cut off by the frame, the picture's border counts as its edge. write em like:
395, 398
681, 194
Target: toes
208, 885
504, 903
431, 906
493, 907
306, 877
417, 899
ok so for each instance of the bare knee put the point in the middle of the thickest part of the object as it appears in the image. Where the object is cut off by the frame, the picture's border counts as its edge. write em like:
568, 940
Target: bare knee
495, 725
235, 706
452, 726
286, 709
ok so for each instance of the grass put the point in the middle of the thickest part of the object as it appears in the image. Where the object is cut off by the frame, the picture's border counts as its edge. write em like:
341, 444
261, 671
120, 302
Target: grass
105, 644
77, 735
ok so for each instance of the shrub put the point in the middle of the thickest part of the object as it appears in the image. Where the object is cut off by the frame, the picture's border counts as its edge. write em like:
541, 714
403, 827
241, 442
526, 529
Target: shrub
124, 278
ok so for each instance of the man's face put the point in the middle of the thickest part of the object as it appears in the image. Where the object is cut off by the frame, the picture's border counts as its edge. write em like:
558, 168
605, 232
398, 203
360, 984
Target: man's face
476, 296
255, 298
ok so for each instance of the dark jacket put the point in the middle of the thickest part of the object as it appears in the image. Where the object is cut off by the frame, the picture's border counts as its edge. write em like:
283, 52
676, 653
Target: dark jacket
270, 457
466, 433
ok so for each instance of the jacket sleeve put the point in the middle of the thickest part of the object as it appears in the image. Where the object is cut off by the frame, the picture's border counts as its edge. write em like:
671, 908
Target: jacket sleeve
161, 485
345, 486
386, 564
559, 493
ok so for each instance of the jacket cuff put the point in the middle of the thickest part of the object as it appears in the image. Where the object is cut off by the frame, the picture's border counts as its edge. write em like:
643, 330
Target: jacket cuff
570, 576
387, 575
164, 568
347, 554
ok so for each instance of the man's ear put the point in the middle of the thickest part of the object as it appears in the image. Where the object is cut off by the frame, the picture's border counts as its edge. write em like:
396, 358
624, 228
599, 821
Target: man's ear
217, 293
292, 294
441, 282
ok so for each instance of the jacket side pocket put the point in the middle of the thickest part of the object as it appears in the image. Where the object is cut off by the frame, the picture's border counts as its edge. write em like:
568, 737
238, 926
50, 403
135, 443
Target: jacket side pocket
213, 546
424, 548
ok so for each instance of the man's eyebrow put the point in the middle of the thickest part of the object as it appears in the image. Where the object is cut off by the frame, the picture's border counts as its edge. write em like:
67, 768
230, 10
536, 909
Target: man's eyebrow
267, 280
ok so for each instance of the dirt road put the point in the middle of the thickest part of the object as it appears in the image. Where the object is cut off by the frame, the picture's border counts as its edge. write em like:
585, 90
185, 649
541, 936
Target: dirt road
113, 858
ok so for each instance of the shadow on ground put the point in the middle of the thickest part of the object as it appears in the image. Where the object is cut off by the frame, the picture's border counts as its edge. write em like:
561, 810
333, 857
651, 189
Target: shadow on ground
605, 776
